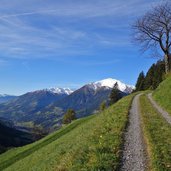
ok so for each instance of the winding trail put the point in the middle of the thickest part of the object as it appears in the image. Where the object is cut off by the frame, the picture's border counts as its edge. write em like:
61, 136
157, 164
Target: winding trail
165, 115
134, 152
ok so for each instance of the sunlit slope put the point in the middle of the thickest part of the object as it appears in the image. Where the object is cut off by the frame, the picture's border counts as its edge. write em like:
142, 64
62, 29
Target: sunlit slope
162, 94
157, 136
92, 143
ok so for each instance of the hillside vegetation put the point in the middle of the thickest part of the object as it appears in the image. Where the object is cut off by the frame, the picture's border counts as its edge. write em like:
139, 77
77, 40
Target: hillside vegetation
153, 77
92, 143
162, 94
157, 136
10, 137
25, 110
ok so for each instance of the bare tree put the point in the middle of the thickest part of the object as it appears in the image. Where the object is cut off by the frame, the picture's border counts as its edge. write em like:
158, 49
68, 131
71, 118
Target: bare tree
154, 30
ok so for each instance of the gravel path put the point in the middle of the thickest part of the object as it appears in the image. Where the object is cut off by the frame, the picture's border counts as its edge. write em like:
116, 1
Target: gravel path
159, 109
134, 153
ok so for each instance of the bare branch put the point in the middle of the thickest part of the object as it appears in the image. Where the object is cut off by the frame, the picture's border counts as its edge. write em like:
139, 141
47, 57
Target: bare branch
154, 29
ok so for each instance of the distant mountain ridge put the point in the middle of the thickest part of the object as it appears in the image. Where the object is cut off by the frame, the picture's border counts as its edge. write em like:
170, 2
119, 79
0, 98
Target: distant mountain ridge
46, 107
27, 108
5, 98
57, 90
88, 98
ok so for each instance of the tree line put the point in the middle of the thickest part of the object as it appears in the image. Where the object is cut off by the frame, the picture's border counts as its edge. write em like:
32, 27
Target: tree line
153, 78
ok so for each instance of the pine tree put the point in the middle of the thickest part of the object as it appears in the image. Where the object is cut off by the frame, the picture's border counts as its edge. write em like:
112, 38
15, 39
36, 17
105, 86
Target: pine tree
115, 94
154, 75
149, 79
140, 82
69, 116
158, 74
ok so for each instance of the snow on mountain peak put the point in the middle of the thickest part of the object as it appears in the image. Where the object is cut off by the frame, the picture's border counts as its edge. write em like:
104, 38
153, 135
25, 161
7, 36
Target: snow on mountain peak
57, 90
109, 82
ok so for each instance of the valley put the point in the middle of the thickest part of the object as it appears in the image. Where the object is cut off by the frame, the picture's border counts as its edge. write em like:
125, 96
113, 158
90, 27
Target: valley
11, 137
95, 142
45, 108
85, 85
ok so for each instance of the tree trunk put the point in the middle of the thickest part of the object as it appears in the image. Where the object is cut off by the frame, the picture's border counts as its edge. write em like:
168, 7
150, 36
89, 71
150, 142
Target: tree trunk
167, 63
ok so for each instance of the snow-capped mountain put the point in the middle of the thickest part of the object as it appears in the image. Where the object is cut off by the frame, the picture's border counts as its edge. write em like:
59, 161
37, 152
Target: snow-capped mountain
57, 90
109, 83
46, 107
88, 98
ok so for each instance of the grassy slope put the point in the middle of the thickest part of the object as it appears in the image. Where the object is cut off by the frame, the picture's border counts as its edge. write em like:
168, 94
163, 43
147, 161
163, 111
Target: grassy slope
162, 94
157, 135
14, 155
92, 143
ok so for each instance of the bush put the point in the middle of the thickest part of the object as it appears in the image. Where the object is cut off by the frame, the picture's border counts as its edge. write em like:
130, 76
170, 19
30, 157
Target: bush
103, 106
69, 116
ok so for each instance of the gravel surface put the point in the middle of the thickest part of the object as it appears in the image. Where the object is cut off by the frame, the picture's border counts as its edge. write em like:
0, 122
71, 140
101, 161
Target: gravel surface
134, 154
159, 109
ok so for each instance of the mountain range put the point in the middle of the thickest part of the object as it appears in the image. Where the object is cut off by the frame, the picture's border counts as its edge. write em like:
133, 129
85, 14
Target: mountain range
88, 98
46, 107
5, 98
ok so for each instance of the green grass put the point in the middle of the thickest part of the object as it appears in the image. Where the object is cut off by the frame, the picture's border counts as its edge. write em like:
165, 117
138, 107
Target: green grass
162, 94
157, 134
19, 153
92, 143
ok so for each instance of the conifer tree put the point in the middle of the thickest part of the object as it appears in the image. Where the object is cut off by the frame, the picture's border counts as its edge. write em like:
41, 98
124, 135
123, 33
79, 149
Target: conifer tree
149, 79
140, 82
115, 94
158, 74
154, 75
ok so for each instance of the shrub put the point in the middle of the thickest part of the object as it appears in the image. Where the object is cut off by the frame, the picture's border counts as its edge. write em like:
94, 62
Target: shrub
69, 116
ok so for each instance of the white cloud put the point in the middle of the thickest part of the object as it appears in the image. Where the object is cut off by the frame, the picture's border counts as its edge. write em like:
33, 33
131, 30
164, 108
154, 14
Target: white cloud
87, 8
3, 62
36, 29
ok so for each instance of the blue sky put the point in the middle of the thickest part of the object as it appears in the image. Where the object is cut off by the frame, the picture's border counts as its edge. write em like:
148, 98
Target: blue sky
47, 43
